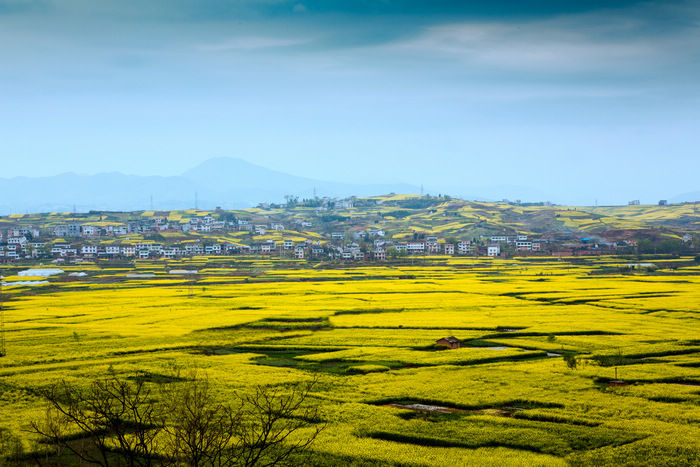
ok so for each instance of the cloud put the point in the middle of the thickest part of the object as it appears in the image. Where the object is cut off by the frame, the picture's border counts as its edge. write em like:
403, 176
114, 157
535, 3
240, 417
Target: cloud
570, 43
251, 43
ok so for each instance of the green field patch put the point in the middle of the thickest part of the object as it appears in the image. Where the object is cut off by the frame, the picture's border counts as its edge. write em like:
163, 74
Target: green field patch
553, 418
435, 405
368, 311
364, 369
541, 436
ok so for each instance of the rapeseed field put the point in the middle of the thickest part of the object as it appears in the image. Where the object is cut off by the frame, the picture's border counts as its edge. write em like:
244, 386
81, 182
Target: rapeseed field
561, 362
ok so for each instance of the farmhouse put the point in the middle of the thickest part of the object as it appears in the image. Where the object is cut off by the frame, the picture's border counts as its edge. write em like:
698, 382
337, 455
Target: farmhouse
451, 342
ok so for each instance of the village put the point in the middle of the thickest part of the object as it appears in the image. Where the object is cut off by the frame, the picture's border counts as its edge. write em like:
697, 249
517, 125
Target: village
315, 235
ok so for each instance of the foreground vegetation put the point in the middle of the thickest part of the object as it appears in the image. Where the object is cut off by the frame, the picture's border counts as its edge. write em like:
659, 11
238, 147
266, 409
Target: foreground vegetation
564, 361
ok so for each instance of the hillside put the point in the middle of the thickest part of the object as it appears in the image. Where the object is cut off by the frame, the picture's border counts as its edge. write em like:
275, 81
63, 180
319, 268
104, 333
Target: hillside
355, 228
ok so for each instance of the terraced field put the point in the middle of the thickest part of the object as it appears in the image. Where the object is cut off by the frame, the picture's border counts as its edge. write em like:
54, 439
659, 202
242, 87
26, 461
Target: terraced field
562, 361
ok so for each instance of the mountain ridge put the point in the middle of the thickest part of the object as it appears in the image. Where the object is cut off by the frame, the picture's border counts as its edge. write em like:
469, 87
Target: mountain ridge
220, 181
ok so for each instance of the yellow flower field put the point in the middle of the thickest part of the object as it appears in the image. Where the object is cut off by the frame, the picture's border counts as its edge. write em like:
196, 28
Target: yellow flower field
562, 362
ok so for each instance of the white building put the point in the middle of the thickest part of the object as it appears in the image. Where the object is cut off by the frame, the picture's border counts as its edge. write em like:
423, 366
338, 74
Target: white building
128, 250
89, 230
523, 246
465, 248
112, 250
88, 250
415, 247
493, 250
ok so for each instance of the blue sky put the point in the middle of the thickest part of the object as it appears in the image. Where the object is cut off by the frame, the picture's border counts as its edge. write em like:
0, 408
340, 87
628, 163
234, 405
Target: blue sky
577, 100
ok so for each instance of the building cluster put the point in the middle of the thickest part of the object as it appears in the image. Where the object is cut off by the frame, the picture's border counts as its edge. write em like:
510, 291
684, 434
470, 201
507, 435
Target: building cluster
74, 241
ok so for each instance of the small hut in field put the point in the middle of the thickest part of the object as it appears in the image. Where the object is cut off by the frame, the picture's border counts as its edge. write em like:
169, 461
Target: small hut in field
450, 342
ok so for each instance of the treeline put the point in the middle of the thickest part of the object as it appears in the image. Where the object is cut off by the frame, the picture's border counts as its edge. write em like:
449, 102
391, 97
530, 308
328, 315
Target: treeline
123, 422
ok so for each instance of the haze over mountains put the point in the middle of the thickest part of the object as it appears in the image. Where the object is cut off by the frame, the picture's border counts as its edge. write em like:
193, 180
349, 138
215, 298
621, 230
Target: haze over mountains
226, 182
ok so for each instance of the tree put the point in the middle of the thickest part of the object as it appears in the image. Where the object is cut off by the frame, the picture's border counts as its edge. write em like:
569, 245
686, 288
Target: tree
111, 419
120, 422
199, 428
271, 418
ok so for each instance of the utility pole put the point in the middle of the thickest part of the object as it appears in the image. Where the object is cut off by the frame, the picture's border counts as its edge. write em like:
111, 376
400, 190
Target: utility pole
2, 325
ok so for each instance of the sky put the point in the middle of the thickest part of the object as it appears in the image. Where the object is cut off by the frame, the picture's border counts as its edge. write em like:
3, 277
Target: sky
580, 101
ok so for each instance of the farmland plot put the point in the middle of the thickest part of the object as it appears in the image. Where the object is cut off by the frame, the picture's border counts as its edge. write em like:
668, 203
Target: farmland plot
559, 363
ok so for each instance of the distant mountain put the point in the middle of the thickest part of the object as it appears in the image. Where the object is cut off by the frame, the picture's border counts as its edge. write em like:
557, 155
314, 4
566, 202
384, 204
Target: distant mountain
686, 197
227, 182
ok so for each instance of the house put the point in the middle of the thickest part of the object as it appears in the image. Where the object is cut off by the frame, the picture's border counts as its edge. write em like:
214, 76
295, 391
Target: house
415, 247
261, 229
17, 240
523, 246
212, 249
112, 250
88, 250
343, 204
465, 248
170, 252
337, 235
449, 248
60, 231
73, 230
380, 254
299, 252
450, 342
431, 245
288, 244
499, 238
522, 237
128, 250
493, 250
89, 230
277, 226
